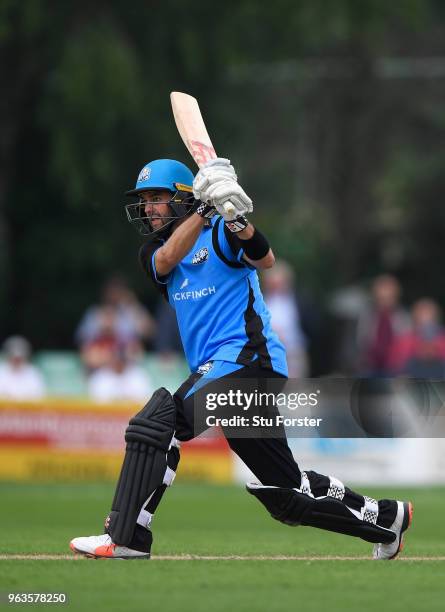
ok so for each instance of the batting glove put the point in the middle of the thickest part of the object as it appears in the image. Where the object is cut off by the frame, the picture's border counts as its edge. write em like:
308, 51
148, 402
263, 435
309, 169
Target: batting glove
211, 173
230, 191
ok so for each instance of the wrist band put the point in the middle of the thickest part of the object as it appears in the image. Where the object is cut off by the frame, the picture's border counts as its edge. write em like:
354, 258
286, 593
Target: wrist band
237, 225
205, 210
256, 247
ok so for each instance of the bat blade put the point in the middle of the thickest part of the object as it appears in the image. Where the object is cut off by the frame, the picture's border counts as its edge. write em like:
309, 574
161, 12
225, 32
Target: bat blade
193, 131
191, 127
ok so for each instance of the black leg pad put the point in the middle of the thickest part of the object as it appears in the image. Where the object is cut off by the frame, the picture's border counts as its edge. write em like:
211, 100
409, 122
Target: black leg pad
294, 508
148, 437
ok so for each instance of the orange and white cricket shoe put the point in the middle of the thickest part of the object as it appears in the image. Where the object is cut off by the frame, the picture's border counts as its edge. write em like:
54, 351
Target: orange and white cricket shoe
102, 547
401, 523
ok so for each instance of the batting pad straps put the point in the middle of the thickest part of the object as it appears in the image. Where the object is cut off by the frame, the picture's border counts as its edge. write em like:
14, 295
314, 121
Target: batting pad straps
169, 477
292, 507
175, 443
370, 510
144, 519
336, 488
305, 486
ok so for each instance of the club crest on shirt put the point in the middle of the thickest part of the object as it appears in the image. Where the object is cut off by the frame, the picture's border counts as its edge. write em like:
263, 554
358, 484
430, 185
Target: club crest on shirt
200, 256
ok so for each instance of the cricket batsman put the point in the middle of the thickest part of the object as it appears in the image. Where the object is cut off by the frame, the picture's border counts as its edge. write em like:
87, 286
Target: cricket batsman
205, 261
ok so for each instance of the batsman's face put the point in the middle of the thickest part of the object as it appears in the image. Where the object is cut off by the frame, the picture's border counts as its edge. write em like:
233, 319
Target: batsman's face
156, 207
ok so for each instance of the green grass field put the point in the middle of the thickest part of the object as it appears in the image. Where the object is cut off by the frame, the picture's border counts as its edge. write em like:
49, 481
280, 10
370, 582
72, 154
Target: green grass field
214, 521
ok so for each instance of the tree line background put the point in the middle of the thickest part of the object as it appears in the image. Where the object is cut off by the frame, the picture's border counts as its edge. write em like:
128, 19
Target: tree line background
332, 112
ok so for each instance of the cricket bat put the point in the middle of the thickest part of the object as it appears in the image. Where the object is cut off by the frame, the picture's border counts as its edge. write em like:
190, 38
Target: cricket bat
193, 132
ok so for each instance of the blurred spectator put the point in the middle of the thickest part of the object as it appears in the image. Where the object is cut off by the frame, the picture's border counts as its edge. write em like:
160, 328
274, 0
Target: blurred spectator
18, 378
132, 320
346, 306
379, 326
119, 380
420, 353
279, 295
98, 349
120, 321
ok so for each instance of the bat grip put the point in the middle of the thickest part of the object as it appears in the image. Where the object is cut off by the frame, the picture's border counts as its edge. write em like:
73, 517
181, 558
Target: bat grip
229, 207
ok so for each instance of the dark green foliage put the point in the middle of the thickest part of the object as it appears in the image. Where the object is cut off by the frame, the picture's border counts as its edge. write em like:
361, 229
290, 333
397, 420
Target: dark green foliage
341, 143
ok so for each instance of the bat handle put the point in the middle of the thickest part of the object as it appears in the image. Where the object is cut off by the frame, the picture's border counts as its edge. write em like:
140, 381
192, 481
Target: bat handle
229, 207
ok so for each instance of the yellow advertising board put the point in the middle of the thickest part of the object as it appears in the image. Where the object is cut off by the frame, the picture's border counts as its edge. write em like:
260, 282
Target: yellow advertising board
74, 440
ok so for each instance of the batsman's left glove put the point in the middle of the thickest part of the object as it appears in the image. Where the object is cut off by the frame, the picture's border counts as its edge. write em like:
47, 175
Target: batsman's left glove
212, 172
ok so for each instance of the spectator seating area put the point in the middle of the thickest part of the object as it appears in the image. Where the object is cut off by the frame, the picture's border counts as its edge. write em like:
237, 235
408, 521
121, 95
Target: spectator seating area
65, 376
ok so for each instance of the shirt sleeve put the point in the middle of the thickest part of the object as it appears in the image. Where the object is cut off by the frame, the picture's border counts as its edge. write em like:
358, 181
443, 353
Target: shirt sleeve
146, 259
234, 243
227, 246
